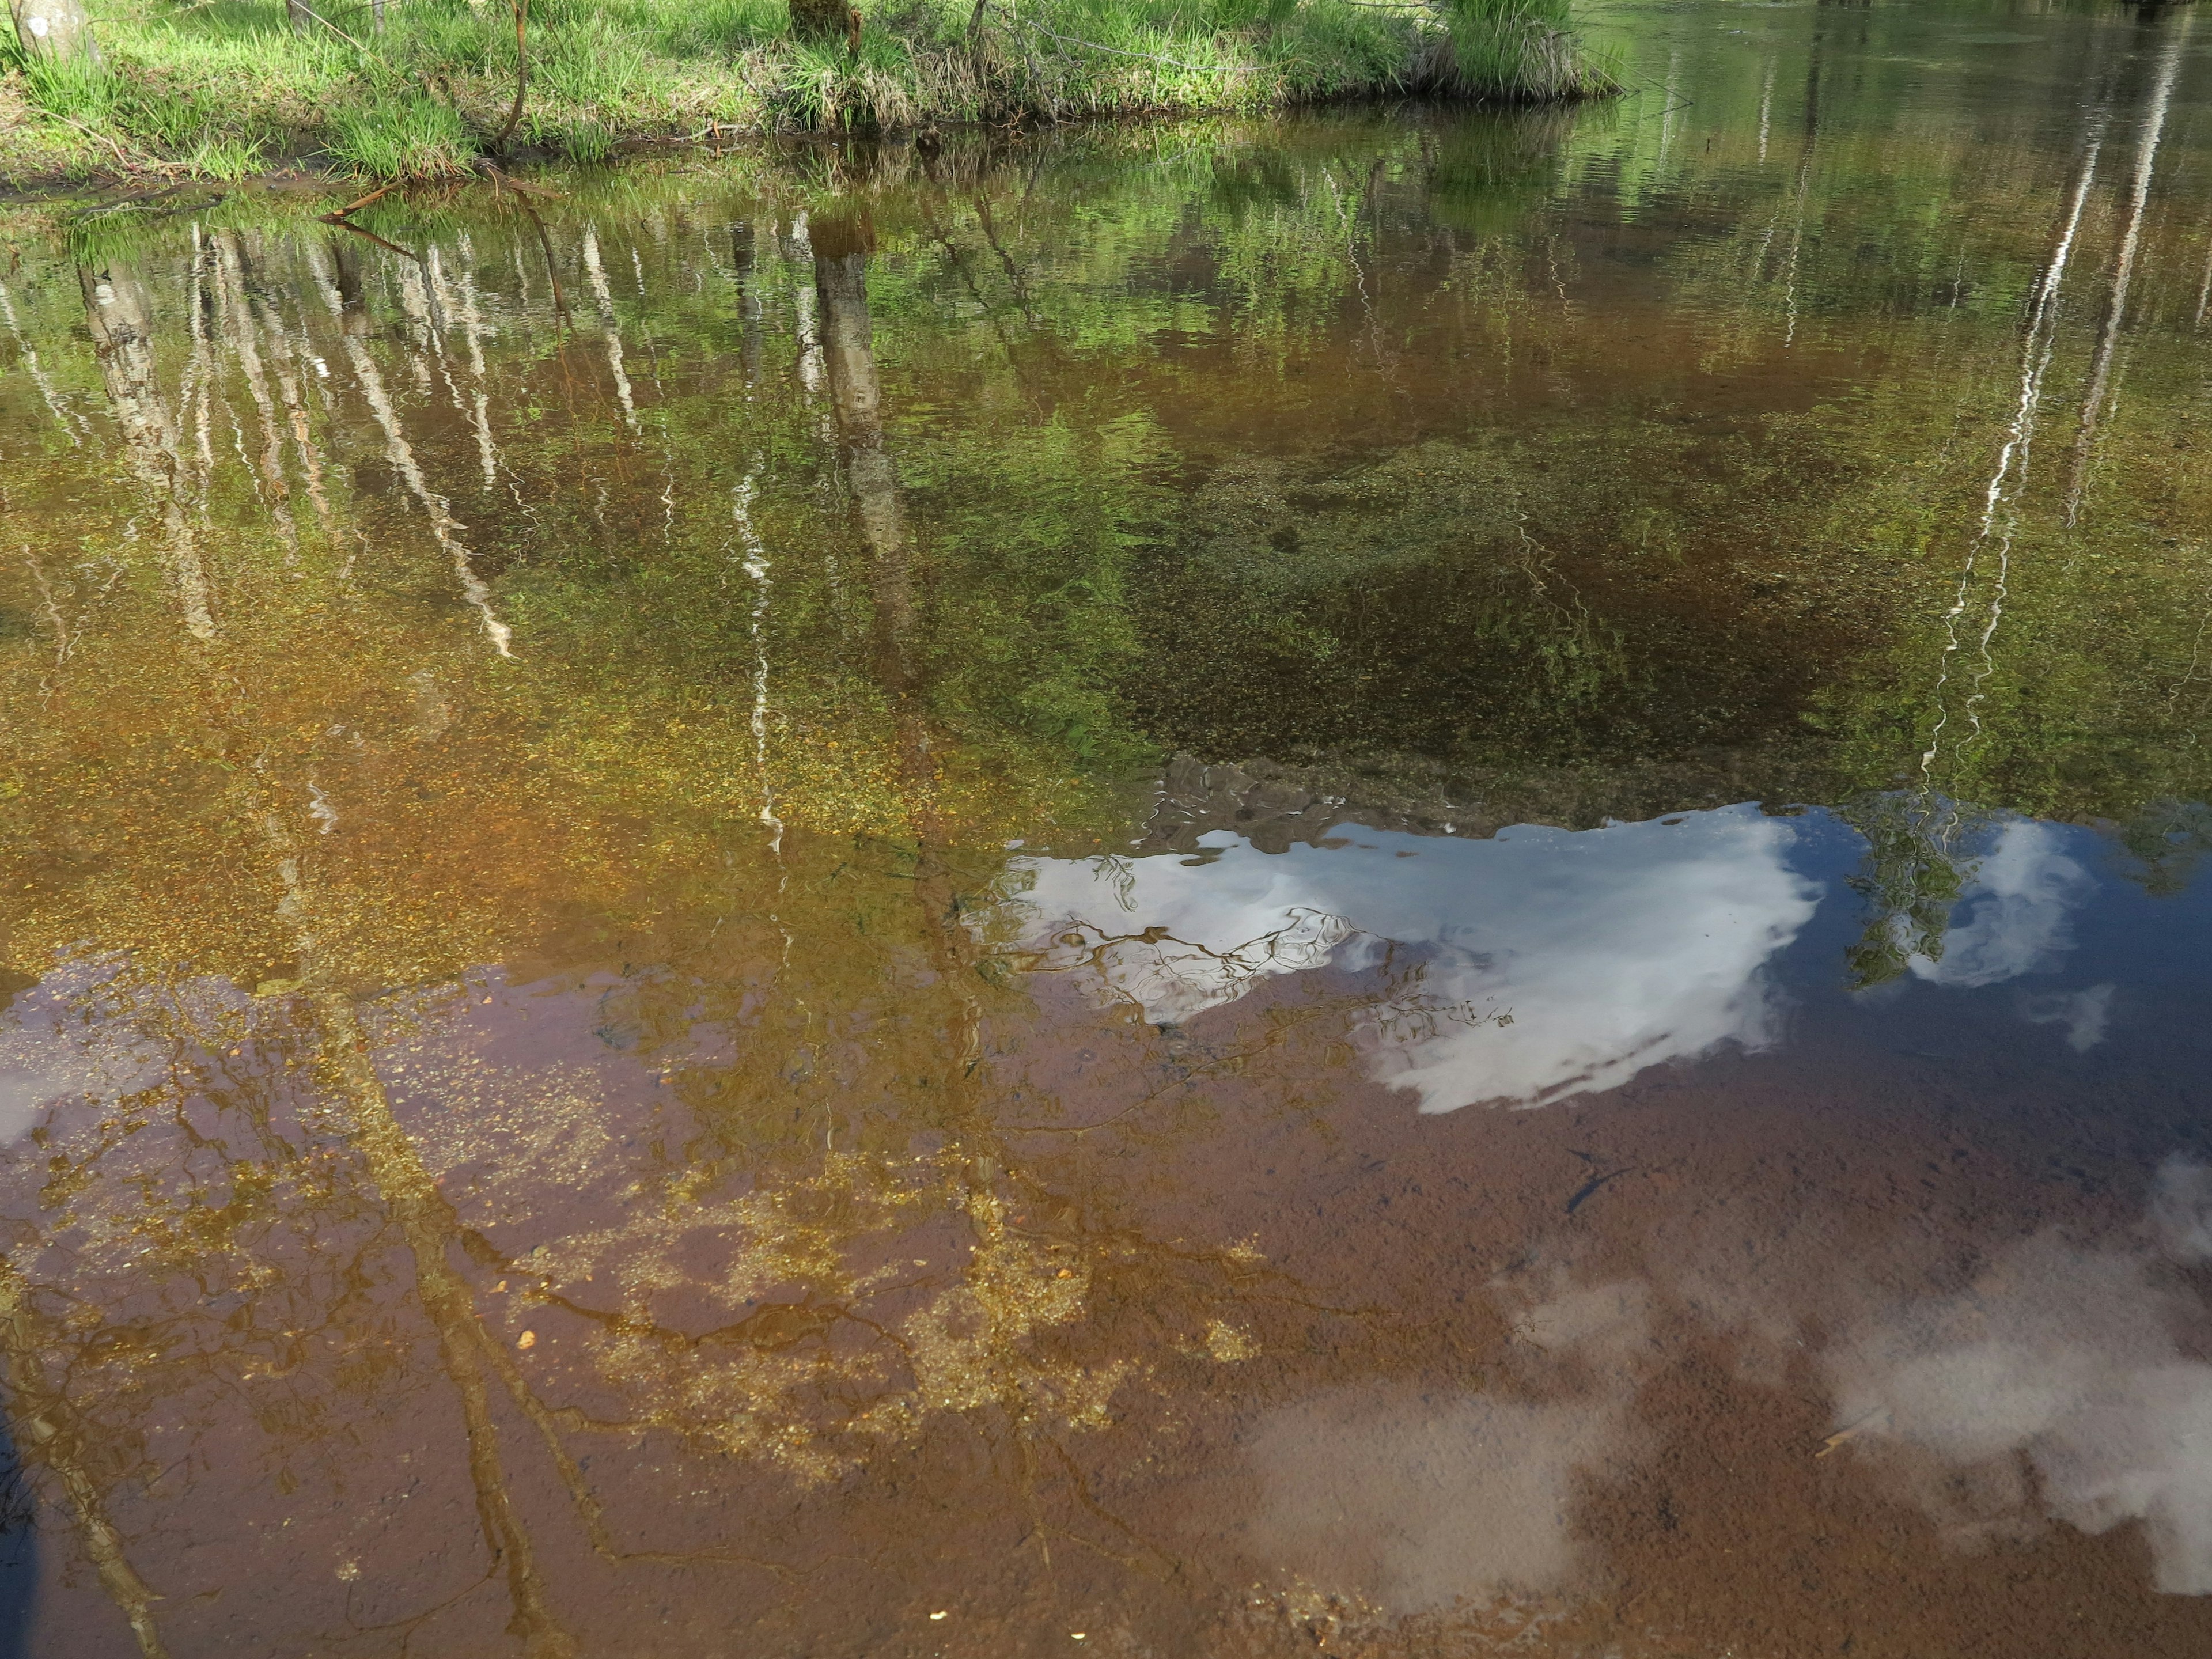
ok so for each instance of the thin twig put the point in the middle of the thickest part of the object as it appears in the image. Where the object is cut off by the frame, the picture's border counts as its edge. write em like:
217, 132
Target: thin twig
139, 199
348, 224
492, 171
521, 75
335, 29
552, 272
89, 133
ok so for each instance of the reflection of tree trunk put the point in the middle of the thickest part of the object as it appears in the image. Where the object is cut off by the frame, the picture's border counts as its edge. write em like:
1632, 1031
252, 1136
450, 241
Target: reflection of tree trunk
48, 1430
841, 285
427, 1222
841, 248
2124, 265
235, 311
427, 327
610, 326
840, 265
1766, 107
45, 383
402, 457
755, 568
472, 331
291, 383
2001, 494
798, 248
120, 315
1669, 104
742, 244
352, 302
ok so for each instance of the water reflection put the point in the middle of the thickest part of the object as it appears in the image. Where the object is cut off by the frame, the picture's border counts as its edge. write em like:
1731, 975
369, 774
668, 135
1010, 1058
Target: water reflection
2011, 916
19, 1552
616, 1012
2063, 1381
1552, 963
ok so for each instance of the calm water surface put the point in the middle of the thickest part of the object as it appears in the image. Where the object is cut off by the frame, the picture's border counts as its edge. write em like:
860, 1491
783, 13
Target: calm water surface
1404, 883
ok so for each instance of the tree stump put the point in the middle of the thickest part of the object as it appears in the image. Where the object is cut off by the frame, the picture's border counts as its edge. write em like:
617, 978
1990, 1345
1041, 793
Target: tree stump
56, 30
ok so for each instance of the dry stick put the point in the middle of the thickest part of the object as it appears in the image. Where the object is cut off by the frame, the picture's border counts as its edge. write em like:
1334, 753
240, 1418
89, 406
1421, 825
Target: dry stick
552, 274
521, 75
381, 190
485, 165
153, 194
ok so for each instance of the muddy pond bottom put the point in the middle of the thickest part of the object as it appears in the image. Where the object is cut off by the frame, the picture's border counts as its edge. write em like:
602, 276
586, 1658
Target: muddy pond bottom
1163, 1267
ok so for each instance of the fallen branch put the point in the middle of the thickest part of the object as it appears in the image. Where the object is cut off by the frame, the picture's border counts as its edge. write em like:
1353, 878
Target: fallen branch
381, 190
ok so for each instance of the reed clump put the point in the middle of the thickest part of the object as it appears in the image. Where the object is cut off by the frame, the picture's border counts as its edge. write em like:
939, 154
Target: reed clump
425, 89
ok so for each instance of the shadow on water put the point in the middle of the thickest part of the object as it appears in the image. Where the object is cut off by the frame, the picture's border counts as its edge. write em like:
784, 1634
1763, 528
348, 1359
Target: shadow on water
19, 1550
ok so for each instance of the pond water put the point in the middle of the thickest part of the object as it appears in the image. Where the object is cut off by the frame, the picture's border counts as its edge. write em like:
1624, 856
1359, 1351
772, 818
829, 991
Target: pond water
1401, 882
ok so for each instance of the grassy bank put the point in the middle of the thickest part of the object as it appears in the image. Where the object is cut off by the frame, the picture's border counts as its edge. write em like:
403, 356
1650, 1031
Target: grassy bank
222, 89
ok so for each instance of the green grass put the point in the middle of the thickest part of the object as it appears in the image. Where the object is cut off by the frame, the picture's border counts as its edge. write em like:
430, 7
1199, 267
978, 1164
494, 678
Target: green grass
223, 87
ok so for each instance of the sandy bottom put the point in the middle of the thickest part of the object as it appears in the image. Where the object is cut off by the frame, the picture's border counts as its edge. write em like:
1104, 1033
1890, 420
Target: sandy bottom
1890, 1341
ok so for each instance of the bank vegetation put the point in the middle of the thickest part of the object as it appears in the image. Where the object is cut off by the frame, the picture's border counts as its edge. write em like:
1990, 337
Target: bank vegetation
426, 89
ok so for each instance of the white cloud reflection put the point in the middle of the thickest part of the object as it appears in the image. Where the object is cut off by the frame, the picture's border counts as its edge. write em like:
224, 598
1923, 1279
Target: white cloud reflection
2016, 919
2084, 1014
1612, 950
1422, 1502
2068, 1362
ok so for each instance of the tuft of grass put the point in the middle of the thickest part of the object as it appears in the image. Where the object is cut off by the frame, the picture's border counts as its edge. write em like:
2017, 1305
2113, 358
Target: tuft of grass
225, 157
73, 90
401, 135
1513, 51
